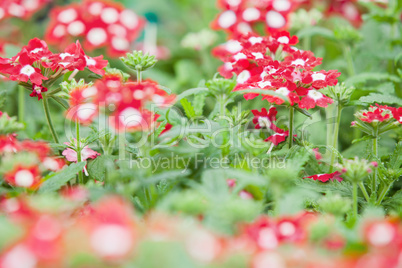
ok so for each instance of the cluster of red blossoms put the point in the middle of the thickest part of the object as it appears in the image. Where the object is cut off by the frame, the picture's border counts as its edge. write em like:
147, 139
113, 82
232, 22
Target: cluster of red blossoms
24, 162
124, 102
380, 113
108, 233
35, 63
273, 64
241, 16
20, 8
101, 24
265, 119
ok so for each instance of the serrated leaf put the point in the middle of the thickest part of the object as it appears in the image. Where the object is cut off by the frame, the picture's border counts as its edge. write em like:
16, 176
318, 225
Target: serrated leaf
188, 108
55, 181
97, 167
380, 98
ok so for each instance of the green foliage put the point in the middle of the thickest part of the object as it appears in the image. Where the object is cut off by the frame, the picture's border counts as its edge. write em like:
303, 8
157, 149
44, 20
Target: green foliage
55, 181
139, 61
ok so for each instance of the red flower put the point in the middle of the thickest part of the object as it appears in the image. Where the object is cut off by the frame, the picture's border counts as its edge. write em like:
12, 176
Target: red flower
265, 119
278, 137
24, 71
302, 60
23, 176
397, 114
326, 177
376, 114
314, 98
321, 79
37, 91
96, 64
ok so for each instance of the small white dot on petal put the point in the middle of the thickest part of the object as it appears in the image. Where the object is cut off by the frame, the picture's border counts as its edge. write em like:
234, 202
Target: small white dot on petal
275, 19
2, 13
298, 62
67, 16
30, 4
19, 257
233, 3
243, 77
16, 10
267, 239
97, 36
227, 19
318, 76
59, 31
129, 19
244, 27
381, 234
86, 111
255, 40
251, 14
130, 117
89, 92
111, 240
119, 43
315, 95
109, 15
283, 40
28, 70
287, 229
117, 30
281, 5
257, 55
24, 178
95, 8
76, 28
283, 91
233, 46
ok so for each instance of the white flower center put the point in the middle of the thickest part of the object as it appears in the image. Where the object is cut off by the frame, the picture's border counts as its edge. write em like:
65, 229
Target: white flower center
76, 28
86, 111
243, 77
251, 14
24, 178
97, 36
318, 76
89, 92
240, 56
287, 229
264, 121
283, 91
36, 50
64, 55
264, 84
255, 40
381, 234
275, 19
109, 15
129, 19
120, 43
28, 70
95, 8
227, 19
19, 257
267, 239
233, 46
298, 62
257, 55
111, 240
59, 31
315, 95
283, 40
281, 5
130, 117
67, 16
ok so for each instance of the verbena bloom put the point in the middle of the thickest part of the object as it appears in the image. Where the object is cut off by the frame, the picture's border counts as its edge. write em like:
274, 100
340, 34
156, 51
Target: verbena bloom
326, 177
23, 176
20, 9
100, 24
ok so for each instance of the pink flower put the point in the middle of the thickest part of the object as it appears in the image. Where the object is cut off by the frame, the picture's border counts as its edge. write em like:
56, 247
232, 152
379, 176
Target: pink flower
326, 177
86, 153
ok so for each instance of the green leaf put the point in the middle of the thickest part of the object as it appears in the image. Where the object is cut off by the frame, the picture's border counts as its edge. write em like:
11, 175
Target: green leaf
97, 167
199, 103
312, 31
191, 91
55, 181
380, 98
364, 77
188, 108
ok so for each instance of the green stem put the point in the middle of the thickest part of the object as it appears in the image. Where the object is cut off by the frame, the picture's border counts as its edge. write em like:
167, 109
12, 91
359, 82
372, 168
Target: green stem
364, 191
307, 43
49, 119
375, 153
139, 76
291, 119
222, 101
21, 103
349, 59
383, 193
78, 147
336, 134
355, 200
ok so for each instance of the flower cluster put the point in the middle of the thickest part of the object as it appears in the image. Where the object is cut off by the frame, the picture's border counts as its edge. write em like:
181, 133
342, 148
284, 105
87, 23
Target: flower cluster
266, 120
101, 24
108, 233
242, 16
379, 113
35, 63
24, 162
123, 101
20, 8
325, 177
273, 64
